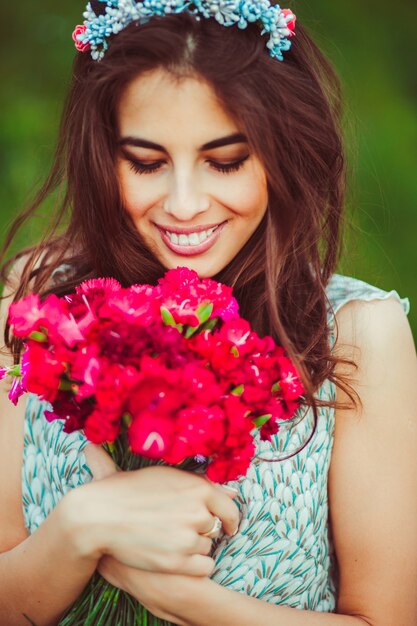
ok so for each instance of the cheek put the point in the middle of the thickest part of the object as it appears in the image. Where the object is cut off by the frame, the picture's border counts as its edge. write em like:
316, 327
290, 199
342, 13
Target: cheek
137, 196
247, 196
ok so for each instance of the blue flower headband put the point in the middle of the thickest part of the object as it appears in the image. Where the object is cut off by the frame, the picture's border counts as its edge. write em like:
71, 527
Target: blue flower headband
104, 18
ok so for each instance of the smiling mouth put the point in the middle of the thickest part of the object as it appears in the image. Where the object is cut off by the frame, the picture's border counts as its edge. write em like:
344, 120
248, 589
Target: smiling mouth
187, 243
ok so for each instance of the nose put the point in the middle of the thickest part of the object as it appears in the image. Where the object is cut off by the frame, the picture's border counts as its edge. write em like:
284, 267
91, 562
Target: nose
185, 198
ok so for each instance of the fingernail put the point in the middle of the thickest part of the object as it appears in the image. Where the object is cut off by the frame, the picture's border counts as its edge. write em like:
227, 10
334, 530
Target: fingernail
235, 533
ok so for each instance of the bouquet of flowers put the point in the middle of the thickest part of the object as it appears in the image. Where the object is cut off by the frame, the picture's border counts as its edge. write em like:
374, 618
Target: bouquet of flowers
168, 373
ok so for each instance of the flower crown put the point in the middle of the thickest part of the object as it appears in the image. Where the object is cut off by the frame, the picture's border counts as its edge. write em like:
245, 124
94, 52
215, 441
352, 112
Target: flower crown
104, 18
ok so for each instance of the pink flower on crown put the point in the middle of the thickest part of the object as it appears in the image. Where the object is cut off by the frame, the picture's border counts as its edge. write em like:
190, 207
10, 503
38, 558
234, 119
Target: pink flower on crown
291, 21
80, 30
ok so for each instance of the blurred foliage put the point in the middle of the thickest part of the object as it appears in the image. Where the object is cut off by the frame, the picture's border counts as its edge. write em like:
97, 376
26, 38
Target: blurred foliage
371, 44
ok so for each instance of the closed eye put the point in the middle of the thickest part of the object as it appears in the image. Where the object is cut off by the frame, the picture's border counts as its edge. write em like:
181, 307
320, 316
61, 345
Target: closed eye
228, 168
142, 167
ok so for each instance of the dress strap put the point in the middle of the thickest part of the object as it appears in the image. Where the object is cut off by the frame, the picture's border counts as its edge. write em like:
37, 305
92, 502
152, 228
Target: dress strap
343, 289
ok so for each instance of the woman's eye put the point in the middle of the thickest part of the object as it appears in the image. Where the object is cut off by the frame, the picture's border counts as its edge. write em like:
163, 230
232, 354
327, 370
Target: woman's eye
228, 168
140, 167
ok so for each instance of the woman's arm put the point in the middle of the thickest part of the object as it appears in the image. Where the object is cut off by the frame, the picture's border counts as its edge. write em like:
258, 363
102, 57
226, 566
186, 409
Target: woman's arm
42, 574
373, 499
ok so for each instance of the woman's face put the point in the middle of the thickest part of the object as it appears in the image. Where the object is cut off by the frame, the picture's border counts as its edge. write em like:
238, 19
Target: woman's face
188, 180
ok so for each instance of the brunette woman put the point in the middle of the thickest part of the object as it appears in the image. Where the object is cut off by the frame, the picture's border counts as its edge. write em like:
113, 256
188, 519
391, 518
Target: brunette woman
187, 140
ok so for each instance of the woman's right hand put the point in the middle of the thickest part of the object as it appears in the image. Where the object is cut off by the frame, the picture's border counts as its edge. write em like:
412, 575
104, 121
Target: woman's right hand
151, 519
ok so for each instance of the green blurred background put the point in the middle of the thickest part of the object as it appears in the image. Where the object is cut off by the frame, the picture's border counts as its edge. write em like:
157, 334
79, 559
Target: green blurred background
372, 44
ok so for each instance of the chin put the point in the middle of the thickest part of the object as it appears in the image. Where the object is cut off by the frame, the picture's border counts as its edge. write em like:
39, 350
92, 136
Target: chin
203, 267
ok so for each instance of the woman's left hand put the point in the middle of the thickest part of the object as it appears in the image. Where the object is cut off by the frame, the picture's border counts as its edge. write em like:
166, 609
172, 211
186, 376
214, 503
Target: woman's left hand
164, 595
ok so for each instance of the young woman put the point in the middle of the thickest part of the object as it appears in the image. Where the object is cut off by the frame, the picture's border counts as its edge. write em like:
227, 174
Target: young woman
187, 140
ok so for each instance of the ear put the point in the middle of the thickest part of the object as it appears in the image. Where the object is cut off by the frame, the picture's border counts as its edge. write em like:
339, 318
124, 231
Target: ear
98, 6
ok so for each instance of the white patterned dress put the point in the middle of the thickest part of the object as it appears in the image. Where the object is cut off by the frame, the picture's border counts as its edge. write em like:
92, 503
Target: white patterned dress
283, 551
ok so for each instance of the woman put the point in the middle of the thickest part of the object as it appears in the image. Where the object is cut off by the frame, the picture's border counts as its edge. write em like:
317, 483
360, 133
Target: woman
187, 141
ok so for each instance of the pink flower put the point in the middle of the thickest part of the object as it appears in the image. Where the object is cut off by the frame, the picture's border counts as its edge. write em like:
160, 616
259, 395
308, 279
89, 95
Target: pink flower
99, 287
133, 305
230, 465
43, 371
105, 353
102, 426
85, 370
200, 384
24, 315
151, 434
290, 18
29, 315
289, 381
154, 394
113, 385
76, 35
199, 430
16, 390
65, 407
182, 292
269, 429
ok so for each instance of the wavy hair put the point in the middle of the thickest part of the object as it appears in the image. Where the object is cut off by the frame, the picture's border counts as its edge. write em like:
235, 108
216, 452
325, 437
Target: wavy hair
290, 112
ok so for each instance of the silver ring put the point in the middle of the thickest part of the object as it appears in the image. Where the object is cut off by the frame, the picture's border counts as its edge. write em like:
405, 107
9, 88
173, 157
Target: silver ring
217, 526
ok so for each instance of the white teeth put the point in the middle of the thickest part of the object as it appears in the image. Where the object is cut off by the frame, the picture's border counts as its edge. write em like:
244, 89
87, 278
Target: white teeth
183, 240
193, 239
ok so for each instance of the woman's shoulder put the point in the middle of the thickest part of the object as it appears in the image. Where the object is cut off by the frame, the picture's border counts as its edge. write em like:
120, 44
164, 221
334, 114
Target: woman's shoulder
341, 290
373, 324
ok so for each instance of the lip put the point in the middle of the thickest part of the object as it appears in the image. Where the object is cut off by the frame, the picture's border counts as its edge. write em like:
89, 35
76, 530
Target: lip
192, 250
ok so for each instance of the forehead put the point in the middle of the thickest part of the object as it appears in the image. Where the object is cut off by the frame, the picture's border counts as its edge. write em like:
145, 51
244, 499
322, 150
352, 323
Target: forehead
169, 110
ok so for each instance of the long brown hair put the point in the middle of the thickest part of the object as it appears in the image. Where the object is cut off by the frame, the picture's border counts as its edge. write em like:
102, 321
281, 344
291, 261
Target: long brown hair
290, 112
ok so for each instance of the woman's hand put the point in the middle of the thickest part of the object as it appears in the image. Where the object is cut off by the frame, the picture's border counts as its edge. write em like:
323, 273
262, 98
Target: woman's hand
164, 595
150, 519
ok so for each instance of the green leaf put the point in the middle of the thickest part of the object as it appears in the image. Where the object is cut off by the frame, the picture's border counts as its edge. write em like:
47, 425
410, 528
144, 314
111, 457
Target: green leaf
127, 419
261, 420
37, 336
111, 446
167, 317
275, 388
237, 391
210, 324
204, 311
66, 385
15, 370
191, 330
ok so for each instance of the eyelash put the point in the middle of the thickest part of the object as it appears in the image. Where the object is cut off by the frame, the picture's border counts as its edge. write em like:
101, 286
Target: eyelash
224, 168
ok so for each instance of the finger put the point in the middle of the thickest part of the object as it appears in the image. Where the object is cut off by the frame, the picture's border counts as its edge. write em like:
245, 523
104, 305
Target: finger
225, 509
215, 529
99, 461
197, 565
203, 546
230, 491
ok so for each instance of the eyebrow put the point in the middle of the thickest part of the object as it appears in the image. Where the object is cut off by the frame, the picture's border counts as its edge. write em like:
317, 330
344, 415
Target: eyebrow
137, 142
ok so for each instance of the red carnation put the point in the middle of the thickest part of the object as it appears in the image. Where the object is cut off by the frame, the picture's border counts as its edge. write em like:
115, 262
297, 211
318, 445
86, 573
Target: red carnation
151, 434
172, 369
43, 371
